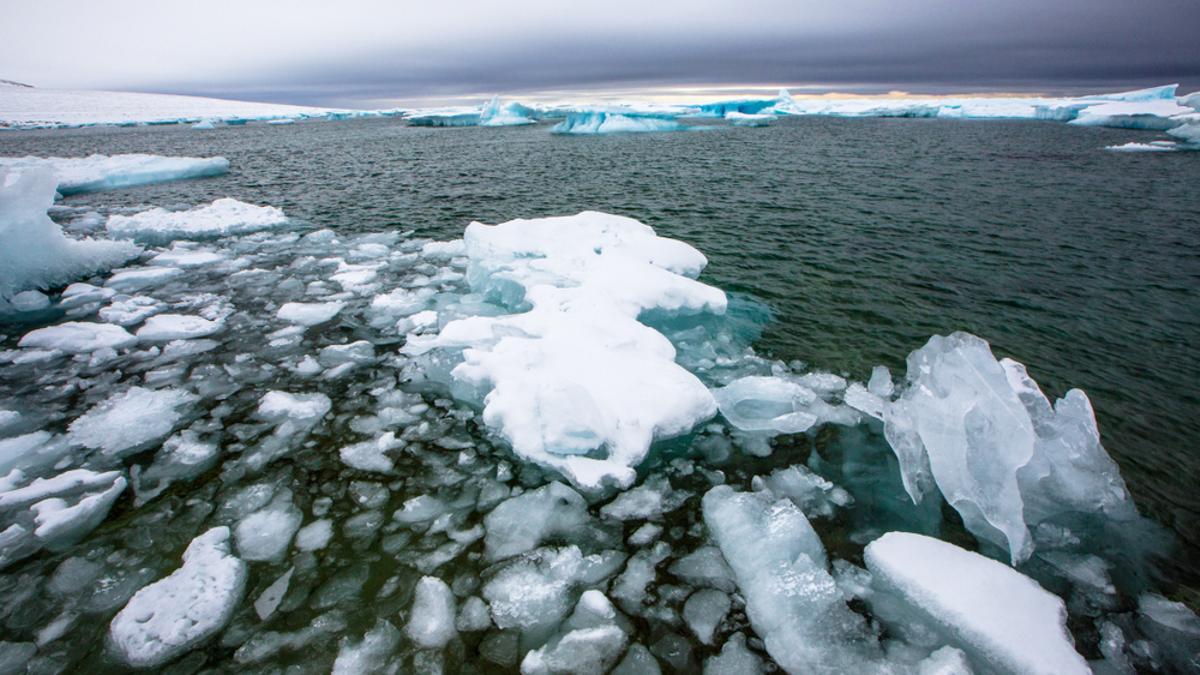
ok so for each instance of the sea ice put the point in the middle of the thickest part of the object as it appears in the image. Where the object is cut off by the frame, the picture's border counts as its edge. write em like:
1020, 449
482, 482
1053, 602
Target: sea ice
35, 252
524, 522
174, 614
578, 373
167, 327
431, 621
267, 533
791, 600
370, 654
1001, 455
310, 313
1004, 620
130, 421
77, 337
141, 278
222, 218
101, 172
772, 404
736, 659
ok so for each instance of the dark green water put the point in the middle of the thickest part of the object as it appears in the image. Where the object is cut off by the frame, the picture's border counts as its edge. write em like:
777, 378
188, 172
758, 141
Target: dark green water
865, 237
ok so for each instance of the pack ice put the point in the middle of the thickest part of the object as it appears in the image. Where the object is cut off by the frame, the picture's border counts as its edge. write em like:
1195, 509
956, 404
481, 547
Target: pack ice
544, 447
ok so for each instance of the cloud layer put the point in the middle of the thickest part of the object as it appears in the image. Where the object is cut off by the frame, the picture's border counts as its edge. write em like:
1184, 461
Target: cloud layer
370, 51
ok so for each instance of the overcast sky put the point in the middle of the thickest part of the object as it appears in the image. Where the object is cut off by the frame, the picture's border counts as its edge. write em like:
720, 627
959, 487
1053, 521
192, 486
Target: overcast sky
364, 52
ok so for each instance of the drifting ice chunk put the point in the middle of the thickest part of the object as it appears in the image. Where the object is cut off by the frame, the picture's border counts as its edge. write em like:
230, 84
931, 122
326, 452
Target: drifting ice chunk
369, 655
219, 219
704, 611
170, 616
431, 622
60, 523
78, 337
597, 122
309, 314
578, 373
587, 651
314, 536
766, 404
1001, 455
100, 172
735, 659
370, 455
140, 278
266, 533
523, 522
130, 421
183, 456
35, 252
791, 600
531, 594
167, 327
1004, 620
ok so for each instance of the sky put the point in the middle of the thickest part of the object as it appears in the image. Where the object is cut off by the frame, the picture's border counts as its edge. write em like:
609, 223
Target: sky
372, 53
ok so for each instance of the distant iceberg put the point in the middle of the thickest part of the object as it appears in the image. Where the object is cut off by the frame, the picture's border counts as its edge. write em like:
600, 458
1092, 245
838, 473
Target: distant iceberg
598, 122
444, 117
103, 172
510, 114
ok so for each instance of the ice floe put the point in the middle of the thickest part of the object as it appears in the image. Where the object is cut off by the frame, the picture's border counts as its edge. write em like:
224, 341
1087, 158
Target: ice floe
578, 372
185, 608
595, 122
104, 172
221, 218
1004, 620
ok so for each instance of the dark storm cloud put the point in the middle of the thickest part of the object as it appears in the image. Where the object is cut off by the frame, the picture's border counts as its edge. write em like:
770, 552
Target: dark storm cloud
319, 54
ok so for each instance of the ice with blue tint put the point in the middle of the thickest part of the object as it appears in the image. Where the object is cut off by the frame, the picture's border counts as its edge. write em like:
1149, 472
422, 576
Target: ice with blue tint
791, 599
749, 106
595, 122
1165, 92
34, 252
511, 114
102, 172
999, 452
444, 117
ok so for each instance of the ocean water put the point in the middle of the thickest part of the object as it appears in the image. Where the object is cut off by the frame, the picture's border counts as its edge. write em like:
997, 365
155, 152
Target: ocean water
861, 237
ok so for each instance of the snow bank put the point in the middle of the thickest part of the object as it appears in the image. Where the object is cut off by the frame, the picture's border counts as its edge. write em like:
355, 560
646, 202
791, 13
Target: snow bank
221, 218
578, 374
174, 614
34, 252
1004, 620
102, 172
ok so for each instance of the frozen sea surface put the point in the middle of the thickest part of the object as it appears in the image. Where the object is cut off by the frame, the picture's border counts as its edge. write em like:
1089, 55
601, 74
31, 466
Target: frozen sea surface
251, 427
